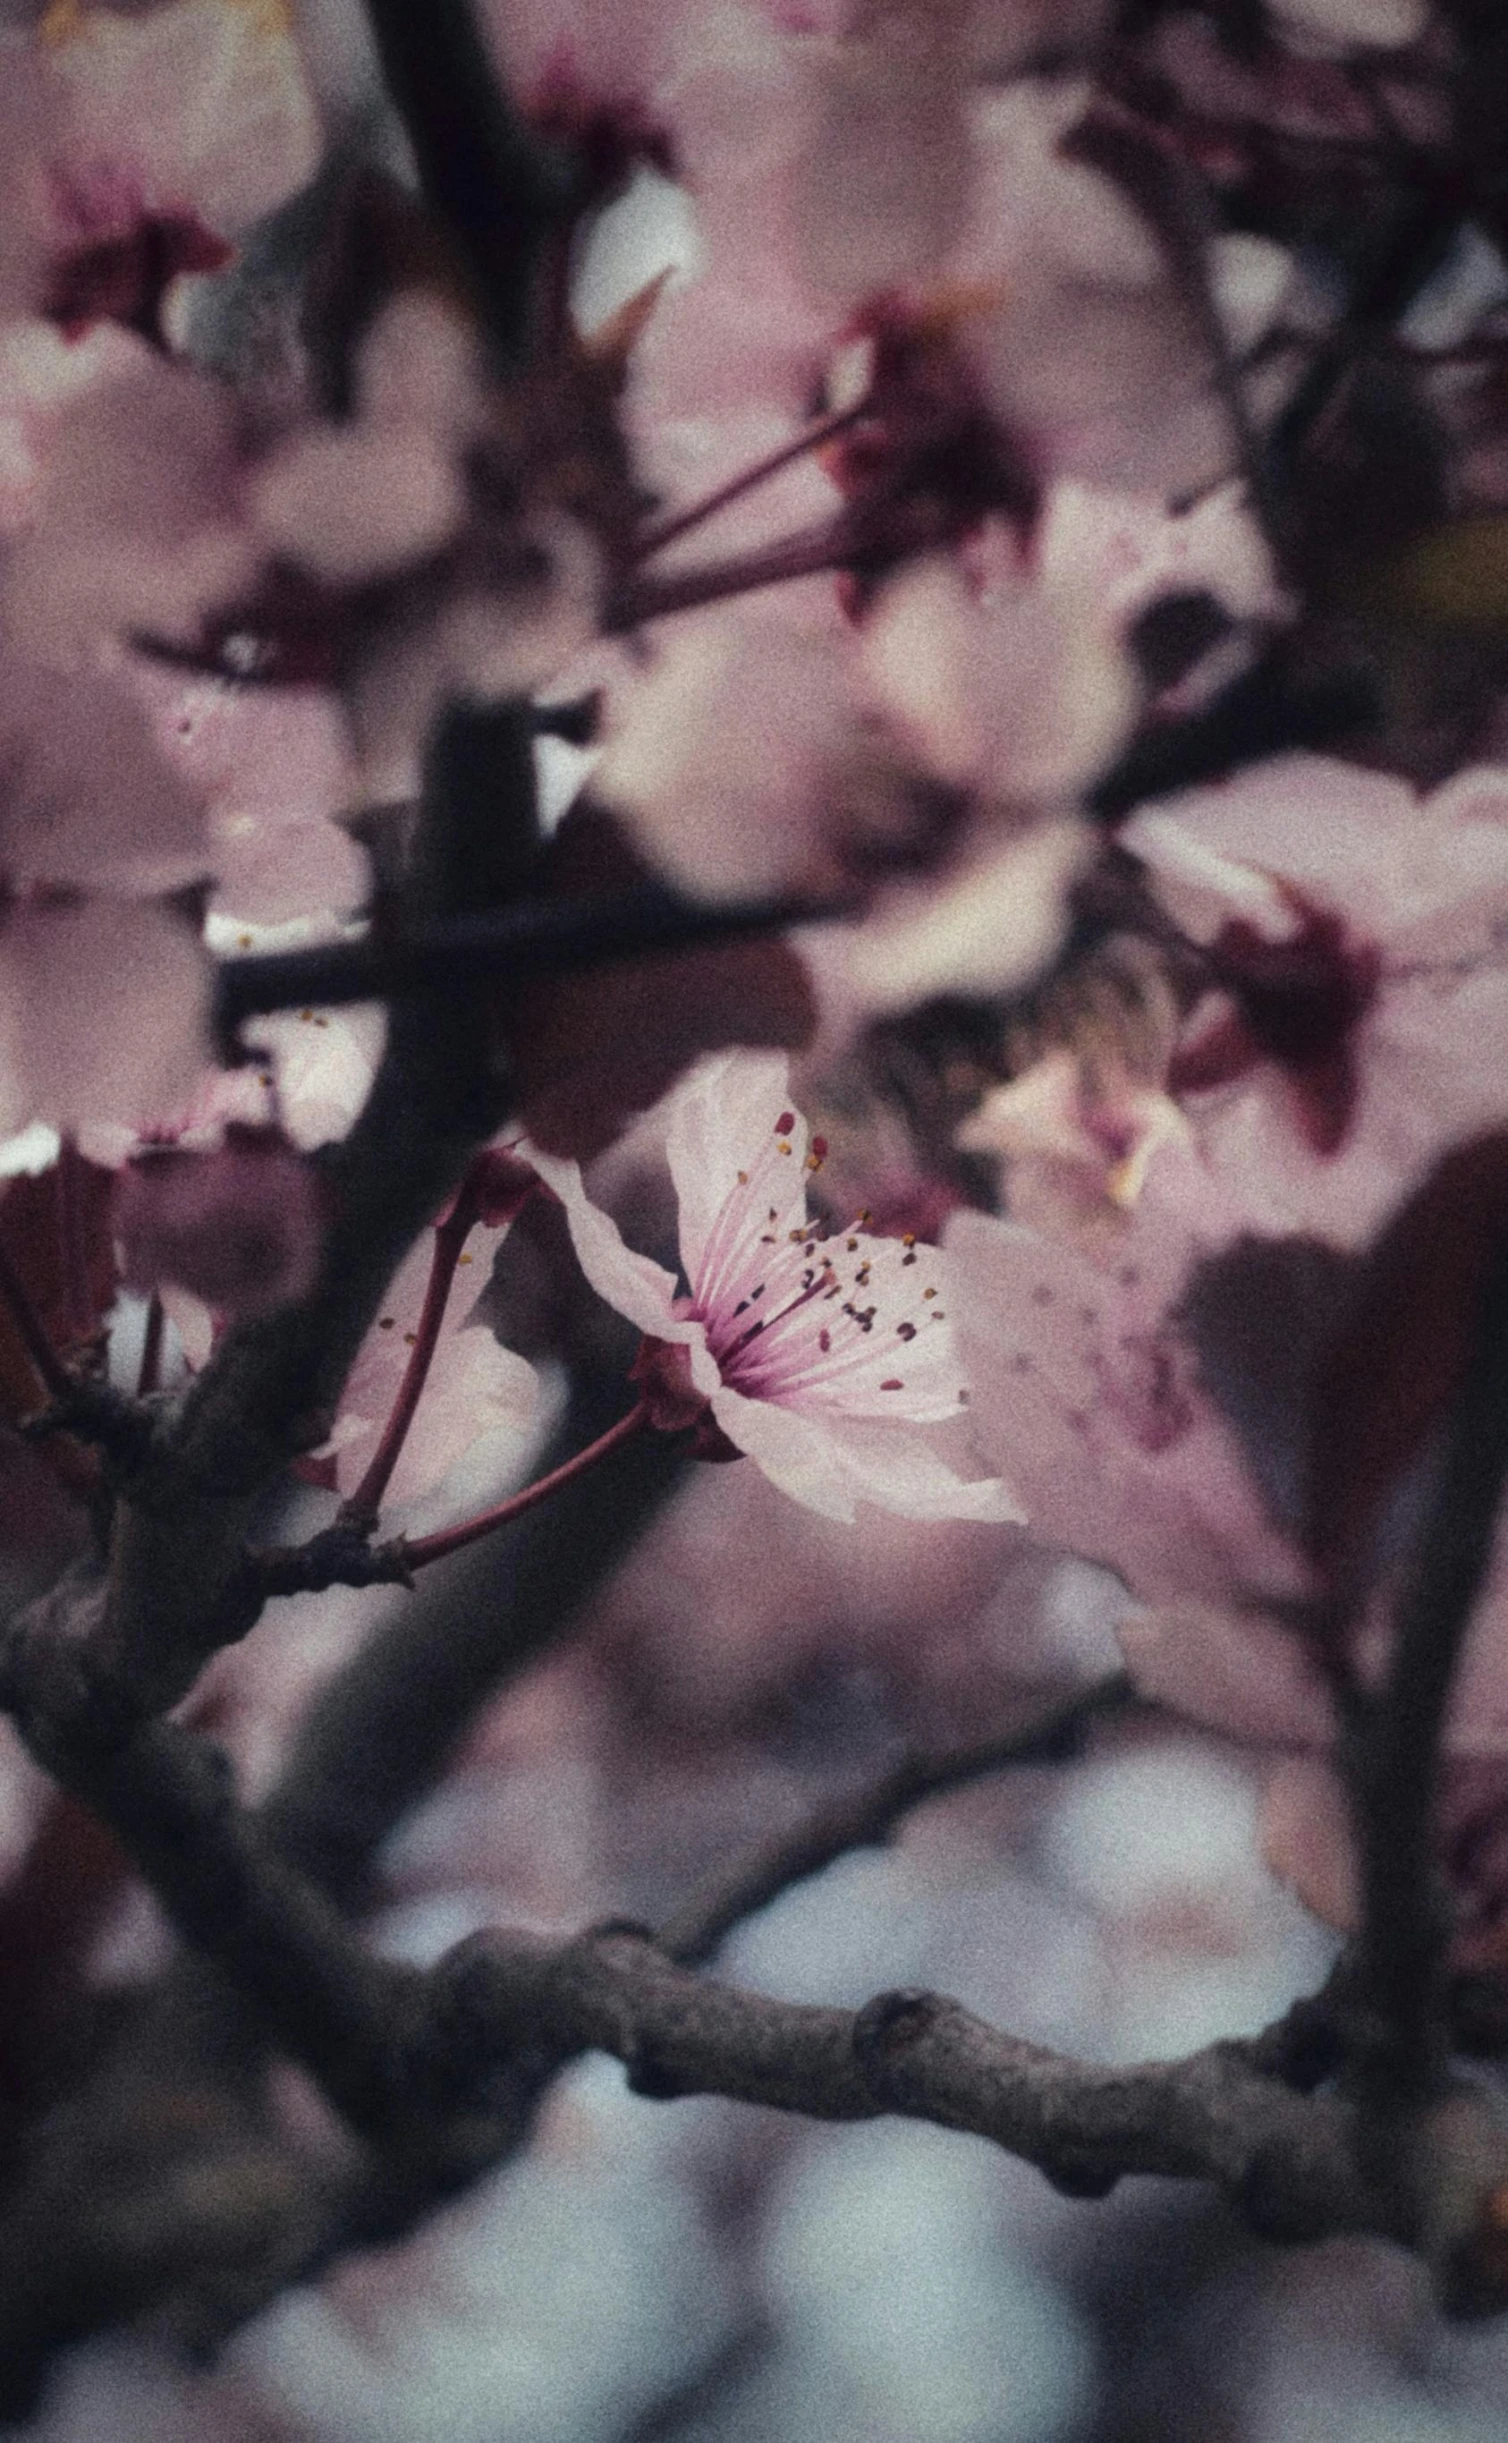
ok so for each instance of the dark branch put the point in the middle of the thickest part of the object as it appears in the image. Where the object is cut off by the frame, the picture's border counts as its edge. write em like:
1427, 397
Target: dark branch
1213, 2117
867, 1816
500, 193
496, 947
1395, 1758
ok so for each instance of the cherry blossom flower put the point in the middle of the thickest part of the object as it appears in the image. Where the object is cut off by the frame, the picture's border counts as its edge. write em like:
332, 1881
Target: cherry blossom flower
102, 983
1358, 1014
1088, 350
827, 1357
1388, 1009
152, 137
1087, 1393
275, 770
240, 1228
882, 176
103, 1014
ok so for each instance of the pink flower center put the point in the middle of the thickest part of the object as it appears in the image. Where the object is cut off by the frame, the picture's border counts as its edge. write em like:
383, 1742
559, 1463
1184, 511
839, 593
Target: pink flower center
794, 1313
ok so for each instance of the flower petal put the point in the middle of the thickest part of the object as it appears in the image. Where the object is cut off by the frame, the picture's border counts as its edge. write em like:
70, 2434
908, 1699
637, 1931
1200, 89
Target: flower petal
635, 1284
831, 1463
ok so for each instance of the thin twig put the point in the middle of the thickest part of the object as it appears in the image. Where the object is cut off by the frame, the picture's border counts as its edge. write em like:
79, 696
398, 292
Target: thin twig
361, 1509
671, 529
419, 1551
864, 1817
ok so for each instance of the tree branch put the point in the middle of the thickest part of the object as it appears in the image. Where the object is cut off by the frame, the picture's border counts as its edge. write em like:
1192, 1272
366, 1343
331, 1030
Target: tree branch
497, 947
500, 193
1395, 1750
1215, 2117
177, 1588
865, 1817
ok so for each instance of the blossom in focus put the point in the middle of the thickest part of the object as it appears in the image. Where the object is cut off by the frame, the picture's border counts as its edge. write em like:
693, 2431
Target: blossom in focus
827, 1357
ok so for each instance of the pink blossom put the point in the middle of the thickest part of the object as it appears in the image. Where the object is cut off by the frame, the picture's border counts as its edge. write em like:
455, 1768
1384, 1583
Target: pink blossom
1079, 1136
135, 523
102, 1012
275, 769
1088, 1385
1018, 689
85, 800
476, 1392
733, 749
1087, 347
313, 1068
150, 138
826, 1356
1321, 1111
102, 989
987, 921
881, 180
1086, 1393
240, 1228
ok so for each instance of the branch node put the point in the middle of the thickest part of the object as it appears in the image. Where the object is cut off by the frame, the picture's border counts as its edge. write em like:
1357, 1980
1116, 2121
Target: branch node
886, 2028
97, 1412
1082, 2178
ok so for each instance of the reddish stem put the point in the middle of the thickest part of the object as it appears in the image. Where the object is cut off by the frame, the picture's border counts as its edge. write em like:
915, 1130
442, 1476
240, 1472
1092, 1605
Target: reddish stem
438, 1547
671, 529
51, 1371
810, 553
78, 1301
451, 1235
148, 1373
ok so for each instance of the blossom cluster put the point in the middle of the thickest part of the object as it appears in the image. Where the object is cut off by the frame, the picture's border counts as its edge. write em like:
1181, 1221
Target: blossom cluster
888, 500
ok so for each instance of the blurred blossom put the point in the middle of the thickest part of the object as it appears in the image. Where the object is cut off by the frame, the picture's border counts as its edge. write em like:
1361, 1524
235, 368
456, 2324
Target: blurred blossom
135, 525
274, 766
1088, 347
358, 499
85, 799
241, 1227
908, 2319
475, 1389
988, 923
1020, 692
144, 139
103, 1013
881, 179
1347, 22
832, 1395
733, 752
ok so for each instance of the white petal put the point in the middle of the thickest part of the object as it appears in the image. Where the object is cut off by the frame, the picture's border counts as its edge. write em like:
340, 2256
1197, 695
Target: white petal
830, 1463
635, 1284
721, 1133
